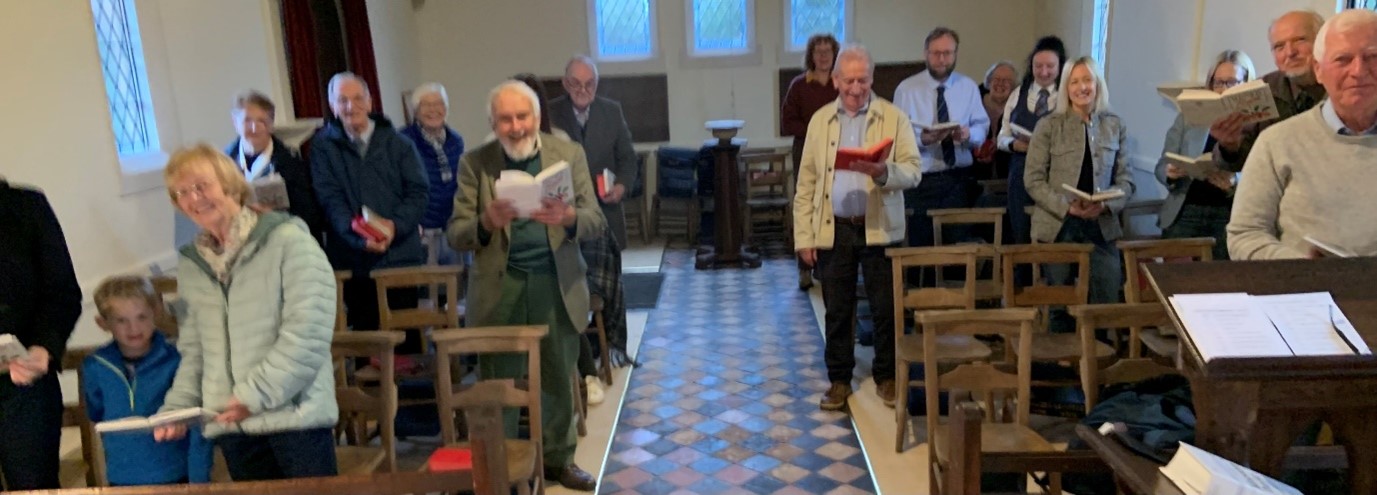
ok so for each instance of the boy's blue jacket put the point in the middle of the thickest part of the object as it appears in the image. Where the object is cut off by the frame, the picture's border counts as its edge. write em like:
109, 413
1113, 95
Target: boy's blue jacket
135, 458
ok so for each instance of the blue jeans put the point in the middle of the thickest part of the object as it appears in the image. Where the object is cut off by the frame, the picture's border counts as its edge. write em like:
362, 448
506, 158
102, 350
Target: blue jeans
1106, 268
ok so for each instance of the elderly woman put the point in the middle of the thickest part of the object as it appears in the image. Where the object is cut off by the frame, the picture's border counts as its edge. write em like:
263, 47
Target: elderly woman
1081, 144
439, 148
809, 91
260, 302
264, 159
999, 84
1195, 208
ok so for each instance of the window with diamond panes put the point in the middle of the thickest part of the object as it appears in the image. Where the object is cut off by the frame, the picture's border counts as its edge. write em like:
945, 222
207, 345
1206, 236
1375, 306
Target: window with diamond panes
810, 17
623, 29
126, 78
721, 27
1099, 33
1362, 4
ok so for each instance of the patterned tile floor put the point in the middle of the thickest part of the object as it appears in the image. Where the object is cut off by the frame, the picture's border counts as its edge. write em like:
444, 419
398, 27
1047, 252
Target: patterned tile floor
726, 398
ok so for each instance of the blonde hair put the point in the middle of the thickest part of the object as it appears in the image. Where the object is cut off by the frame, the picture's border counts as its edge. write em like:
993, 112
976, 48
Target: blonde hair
125, 287
1064, 92
231, 180
1236, 57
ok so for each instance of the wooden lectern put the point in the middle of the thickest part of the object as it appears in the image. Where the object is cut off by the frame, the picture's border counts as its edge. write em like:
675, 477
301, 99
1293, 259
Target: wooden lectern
1250, 410
728, 249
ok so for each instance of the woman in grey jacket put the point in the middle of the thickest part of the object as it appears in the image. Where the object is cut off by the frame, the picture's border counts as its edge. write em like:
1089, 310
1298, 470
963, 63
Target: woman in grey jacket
255, 343
1081, 145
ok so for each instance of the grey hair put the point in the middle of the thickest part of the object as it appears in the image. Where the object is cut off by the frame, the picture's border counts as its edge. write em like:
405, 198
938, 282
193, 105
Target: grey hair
853, 51
519, 87
1343, 22
338, 79
1064, 89
1315, 20
427, 89
582, 59
1002, 63
1236, 57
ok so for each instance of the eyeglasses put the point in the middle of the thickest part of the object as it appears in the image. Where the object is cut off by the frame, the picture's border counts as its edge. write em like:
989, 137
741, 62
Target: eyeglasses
1225, 83
575, 85
198, 189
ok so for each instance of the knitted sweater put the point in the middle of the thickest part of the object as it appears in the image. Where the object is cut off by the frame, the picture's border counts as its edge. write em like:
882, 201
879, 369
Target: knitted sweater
1304, 179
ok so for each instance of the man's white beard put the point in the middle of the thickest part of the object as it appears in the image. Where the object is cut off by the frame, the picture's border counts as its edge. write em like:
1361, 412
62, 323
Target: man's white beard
520, 150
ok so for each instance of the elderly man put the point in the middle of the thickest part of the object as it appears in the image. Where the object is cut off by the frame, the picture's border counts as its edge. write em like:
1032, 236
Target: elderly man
1310, 176
843, 218
264, 159
357, 161
439, 148
597, 123
1293, 85
529, 271
931, 98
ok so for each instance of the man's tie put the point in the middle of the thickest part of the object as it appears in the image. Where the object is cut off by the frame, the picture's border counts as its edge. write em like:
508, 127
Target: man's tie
360, 146
1040, 109
948, 146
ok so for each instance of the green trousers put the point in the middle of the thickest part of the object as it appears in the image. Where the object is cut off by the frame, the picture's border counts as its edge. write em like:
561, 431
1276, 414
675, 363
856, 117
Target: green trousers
533, 298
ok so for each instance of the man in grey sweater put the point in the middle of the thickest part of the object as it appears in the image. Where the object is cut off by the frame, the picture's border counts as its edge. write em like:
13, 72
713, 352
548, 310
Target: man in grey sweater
1311, 175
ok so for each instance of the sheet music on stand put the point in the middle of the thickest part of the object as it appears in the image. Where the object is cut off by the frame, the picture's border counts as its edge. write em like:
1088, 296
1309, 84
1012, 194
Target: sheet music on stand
1243, 325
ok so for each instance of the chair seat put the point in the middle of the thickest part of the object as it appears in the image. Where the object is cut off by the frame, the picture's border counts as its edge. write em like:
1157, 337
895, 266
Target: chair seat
424, 368
769, 202
359, 459
1062, 347
957, 348
1161, 343
996, 438
521, 460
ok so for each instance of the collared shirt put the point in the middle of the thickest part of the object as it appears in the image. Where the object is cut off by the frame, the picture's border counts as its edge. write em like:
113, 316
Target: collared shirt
262, 163
849, 188
917, 97
364, 137
582, 115
1006, 134
1331, 117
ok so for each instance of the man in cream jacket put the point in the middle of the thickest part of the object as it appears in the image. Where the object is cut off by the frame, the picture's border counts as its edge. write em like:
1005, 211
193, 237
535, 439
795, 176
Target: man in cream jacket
845, 218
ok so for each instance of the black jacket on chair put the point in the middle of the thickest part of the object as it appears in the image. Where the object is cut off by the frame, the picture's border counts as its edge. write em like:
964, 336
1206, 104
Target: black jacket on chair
40, 300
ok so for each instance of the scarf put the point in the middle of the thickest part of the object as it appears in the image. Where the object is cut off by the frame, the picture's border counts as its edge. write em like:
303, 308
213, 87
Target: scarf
222, 256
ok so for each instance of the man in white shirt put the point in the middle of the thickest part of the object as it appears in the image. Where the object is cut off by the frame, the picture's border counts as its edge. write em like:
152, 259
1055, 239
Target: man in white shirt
949, 121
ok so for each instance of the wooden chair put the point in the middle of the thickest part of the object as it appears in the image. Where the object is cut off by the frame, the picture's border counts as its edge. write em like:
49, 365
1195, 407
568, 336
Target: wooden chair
341, 312
88, 463
1136, 290
166, 319
595, 305
430, 314
1050, 347
359, 403
993, 218
910, 348
769, 195
637, 221
1137, 209
370, 484
524, 460
987, 380
1134, 369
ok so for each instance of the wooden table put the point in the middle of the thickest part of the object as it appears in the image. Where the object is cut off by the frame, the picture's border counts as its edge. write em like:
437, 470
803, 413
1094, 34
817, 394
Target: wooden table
1250, 410
1132, 473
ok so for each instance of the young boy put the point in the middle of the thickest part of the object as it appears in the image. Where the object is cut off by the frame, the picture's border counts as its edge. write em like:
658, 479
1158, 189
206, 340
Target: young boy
129, 377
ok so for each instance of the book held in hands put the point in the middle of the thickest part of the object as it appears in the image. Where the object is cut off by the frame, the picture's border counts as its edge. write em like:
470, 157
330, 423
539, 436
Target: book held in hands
1020, 131
606, 180
1329, 250
526, 191
271, 191
1198, 472
876, 153
1072, 193
11, 349
1202, 107
940, 126
368, 224
191, 416
1198, 168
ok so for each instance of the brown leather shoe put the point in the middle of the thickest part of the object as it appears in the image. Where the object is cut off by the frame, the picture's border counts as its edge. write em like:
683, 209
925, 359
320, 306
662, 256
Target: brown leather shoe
886, 390
835, 398
572, 477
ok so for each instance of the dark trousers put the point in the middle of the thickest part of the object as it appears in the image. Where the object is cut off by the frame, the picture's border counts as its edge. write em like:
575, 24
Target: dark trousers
30, 432
1106, 268
937, 190
1202, 221
1020, 222
275, 456
839, 274
361, 301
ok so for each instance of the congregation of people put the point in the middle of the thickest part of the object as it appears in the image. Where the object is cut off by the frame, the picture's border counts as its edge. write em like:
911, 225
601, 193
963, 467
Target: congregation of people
257, 284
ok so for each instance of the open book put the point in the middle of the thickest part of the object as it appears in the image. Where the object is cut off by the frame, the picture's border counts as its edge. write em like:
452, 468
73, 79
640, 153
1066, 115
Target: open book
271, 191
606, 180
1198, 168
1170, 90
192, 416
1020, 131
1197, 472
876, 153
1105, 195
1234, 325
369, 225
11, 349
1330, 250
940, 126
525, 192
1202, 107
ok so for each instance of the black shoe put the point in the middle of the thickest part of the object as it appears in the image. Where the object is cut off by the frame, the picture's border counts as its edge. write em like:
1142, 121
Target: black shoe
572, 477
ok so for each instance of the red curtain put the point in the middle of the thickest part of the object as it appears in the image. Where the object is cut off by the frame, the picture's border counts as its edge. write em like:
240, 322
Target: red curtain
358, 40
308, 97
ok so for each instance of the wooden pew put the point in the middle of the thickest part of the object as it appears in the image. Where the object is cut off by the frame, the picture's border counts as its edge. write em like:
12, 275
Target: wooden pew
366, 484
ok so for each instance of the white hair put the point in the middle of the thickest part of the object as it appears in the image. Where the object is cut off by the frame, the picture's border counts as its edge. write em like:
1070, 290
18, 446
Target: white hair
335, 82
1064, 90
519, 87
582, 59
1345, 21
425, 90
1002, 63
854, 51
1314, 18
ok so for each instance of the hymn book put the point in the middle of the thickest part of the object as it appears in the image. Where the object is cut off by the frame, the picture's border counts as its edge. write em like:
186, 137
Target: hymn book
369, 225
1202, 107
1198, 168
191, 416
526, 191
1020, 131
606, 180
876, 153
1237, 325
940, 126
1330, 250
1105, 195
1197, 472
271, 191
10, 350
